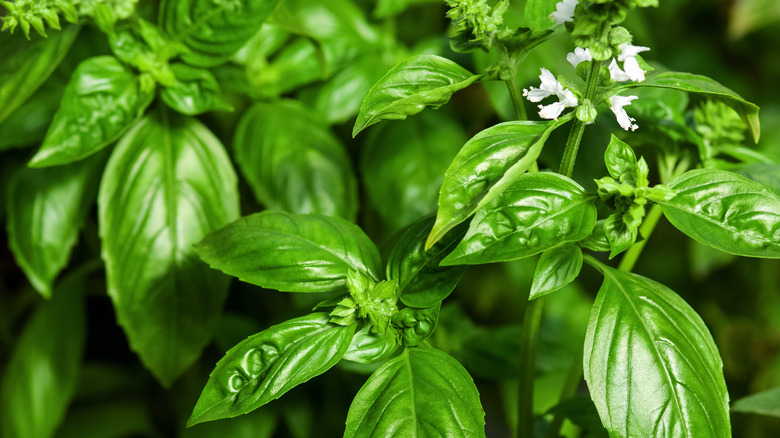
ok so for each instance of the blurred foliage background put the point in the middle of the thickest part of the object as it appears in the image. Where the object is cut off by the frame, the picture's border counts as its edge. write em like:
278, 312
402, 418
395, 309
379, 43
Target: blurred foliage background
736, 42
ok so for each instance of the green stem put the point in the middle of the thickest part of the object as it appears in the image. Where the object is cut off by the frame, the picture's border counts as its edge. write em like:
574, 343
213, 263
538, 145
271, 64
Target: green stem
517, 97
528, 339
509, 64
648, 225
573, 378
578, 127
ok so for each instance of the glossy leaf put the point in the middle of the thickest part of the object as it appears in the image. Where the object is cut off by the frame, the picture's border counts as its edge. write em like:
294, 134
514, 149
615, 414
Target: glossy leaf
422, 282
369, 347
266, 365
619, 158
619, 235
167, 184
763, 173
486, 165
597, 241
293, 162
43, 371
27, 125
27, 64
421, 393
195, 91
415, 324
100, 103
213, 30
403, 165
291, 252
651, 364
727, 212
46, 210
339, 99
707, 87
556, 268
763, 403
418, 82
538, 212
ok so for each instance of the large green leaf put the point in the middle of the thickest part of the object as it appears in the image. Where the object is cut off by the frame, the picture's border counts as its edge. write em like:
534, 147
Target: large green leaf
485, 166
422, 282
213, 30
763, 403
726, 211
291, 252
651, 364
168, 183
43, 370
421, 393
195, 91
403, 165
27, 64
46, 209
266, 365
417, 82
538, 212
293, 162
101, 101
707, 87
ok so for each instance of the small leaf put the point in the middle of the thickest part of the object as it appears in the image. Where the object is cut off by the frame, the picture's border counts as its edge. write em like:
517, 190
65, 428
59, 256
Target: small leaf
194, 92
763, 403
416, 325
555, 269
422, 282
727, 212
620, 159
485, 166
422, 392
46, 209
369, 347
100, 103
42, 373
213, 30
291, 252
27, 64
707, 87
619, 235
418, 82
266, 365
293, 162
27, 125
651, 364
538, 212
597, 241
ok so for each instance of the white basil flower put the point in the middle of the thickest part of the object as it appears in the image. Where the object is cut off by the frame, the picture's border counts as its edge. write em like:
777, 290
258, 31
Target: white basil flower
616, 104
579, 55
564, 11
549, 87
630, 65
553, 110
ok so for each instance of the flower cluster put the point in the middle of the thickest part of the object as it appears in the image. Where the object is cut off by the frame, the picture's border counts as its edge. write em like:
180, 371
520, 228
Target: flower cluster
550, 86
564, 11
477, 16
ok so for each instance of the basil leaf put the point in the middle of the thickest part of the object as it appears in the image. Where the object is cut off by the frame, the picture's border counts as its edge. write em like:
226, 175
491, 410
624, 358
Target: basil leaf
266, 365
298, 63
403, 165
339, 99
556, 268
619, 235
46, 210
293, 162
27, 64
727, 212
422, 392
619, 158
369, 347
537, 14
101, 101
651, 364
167, 184
763, 403
27, 125
597, 241
213, 31
410, 86
710, 88
416, 325
538, 212
422, 282
485, 166
42, 373
765, 174
195, 91
291, 252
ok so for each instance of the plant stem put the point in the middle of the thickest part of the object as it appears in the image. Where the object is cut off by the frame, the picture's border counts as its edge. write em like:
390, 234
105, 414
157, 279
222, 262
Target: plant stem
509, 63
525, 402
517, 97
648, 225
578, 127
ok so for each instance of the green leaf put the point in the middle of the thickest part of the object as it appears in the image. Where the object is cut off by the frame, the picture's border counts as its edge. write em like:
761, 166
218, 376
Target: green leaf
42, 373
416, 325
422, 282
707, 87
763, 403
537, 14
727, 212
485, 166
765, 174
291, 252
100, 103
619, 235
651, 364
27, 125
27, 64
293, 162
410, 86
46, 210
257, 424
213, 30
369, 347
167, 184
597, 241
620, 159
404, 163
195, 91
266, 365
339, 99
421, 393
556, 268
538, 212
